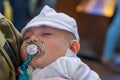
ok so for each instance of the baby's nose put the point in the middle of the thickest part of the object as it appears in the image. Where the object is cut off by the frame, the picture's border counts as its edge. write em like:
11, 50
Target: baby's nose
33, 38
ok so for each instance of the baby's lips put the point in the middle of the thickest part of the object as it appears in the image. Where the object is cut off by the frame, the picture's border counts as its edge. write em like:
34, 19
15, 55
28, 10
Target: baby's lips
41, 49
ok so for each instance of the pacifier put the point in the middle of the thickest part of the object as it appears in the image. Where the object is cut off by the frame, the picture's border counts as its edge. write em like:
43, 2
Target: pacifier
33, 49
36, 48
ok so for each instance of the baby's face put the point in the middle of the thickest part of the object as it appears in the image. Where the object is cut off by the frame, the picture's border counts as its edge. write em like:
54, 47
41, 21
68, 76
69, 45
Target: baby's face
55, 43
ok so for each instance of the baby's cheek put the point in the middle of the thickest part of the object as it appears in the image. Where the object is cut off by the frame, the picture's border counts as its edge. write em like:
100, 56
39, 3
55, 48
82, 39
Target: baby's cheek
23, 53
23, 56
34, 62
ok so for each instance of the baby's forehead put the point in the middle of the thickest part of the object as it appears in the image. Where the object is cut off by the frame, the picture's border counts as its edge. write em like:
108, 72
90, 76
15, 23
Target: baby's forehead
40, 27
43, 28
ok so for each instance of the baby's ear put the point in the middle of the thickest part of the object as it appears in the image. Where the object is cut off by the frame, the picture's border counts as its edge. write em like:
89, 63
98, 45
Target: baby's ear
75, 46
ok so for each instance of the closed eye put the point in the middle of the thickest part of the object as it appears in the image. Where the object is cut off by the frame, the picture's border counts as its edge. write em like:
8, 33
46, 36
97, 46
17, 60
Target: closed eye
46, 34
26, 38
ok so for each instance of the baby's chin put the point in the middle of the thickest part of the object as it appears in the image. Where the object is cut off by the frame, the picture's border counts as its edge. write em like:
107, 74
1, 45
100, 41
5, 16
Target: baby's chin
36, 63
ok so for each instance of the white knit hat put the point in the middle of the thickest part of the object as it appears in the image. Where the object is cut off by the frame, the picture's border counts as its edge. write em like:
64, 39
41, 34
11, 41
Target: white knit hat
51, 18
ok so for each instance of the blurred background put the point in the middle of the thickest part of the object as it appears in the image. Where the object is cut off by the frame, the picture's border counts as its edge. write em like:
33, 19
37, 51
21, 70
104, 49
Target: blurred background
94, 18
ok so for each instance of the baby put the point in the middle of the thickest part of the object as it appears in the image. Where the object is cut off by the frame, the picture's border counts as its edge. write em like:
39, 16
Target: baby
52, 41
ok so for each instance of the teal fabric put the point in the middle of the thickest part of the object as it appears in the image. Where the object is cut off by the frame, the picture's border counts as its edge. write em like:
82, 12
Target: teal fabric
23, 69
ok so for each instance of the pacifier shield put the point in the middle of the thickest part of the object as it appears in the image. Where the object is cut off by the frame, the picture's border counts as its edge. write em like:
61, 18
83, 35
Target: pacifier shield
32, 49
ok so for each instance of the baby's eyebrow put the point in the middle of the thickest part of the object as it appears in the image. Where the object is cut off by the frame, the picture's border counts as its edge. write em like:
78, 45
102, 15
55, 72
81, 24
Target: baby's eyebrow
45, 29
28, 31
